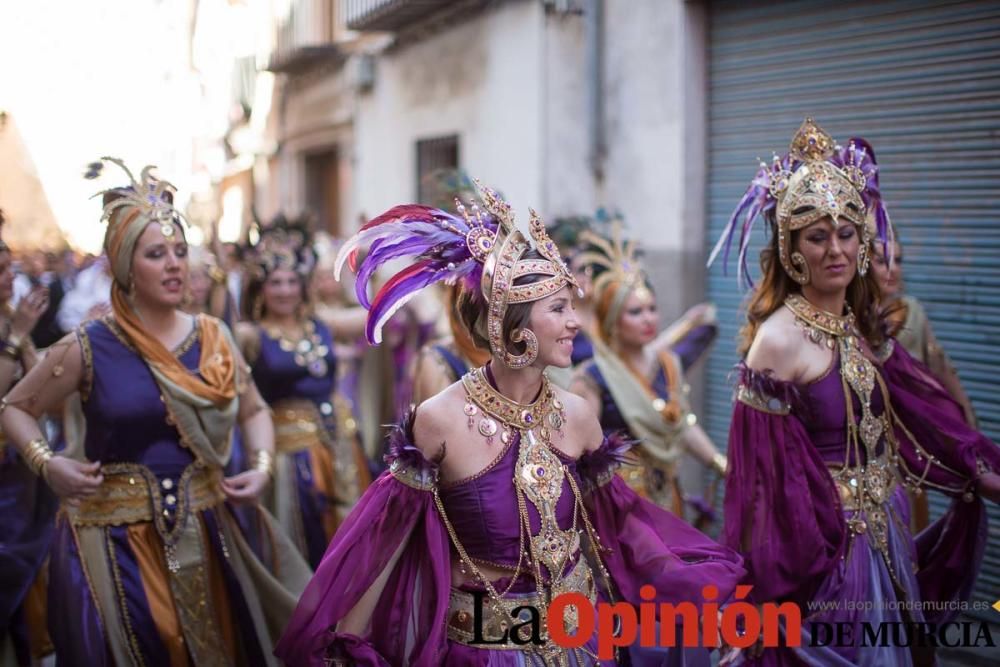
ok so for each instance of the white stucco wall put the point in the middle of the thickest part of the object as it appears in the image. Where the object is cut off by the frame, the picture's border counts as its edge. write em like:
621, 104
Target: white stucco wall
479, 80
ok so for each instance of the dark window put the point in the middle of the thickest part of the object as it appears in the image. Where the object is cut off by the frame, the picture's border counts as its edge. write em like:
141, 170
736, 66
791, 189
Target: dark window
433, 155
323, 191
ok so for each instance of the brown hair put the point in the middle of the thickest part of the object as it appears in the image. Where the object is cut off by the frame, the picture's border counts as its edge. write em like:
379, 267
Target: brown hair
863, 295
472, 312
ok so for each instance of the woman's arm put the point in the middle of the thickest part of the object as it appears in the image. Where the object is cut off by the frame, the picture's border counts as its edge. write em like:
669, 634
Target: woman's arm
939, 364
44, 388
258, 435
15, 347
697, 442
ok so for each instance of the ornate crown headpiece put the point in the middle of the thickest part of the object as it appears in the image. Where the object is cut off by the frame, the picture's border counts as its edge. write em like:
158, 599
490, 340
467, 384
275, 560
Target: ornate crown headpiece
614, 258
146, 200
816, 178
480, 248
284, 243
615, 263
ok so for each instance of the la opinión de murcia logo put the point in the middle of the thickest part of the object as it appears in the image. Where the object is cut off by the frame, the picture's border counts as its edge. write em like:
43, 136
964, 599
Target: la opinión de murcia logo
738, 624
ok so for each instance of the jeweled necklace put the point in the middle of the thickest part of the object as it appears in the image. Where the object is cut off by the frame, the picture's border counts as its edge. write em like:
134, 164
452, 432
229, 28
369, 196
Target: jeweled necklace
308, 351
503, 415
820, 327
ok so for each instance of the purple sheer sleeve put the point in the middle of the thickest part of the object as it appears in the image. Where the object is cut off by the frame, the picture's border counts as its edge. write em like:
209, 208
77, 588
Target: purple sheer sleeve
397, 519
950, 550
927, 418
782, 509
644, 544
694, 344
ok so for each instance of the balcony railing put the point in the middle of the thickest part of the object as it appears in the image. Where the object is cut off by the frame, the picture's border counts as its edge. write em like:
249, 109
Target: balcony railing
306, 36
397, 15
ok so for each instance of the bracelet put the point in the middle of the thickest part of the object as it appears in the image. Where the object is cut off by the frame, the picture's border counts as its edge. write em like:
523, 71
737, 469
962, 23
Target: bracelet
37, 454
217, 275
720, 463
10, 349
263, 461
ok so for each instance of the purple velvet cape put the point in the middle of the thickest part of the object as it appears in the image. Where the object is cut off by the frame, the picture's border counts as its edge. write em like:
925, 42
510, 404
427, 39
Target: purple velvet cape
645, 545
783, 511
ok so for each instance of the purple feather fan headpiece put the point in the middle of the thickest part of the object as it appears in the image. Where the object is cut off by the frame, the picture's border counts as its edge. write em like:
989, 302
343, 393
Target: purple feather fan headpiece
816, 178
444, 248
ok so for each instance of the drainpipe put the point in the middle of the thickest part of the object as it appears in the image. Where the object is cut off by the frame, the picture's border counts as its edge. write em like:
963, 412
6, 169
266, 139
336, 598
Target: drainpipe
596, 112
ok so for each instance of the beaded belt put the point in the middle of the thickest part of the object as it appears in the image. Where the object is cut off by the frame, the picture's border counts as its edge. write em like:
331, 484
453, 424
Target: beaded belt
462, 607
131, 494
298, 426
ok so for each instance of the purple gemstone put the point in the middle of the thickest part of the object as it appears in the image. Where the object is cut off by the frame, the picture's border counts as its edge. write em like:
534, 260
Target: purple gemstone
528, 418
540, 471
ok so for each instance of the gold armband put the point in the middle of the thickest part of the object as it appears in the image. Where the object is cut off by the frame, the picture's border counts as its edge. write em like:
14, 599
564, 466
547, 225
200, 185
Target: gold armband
37, 454
263, 461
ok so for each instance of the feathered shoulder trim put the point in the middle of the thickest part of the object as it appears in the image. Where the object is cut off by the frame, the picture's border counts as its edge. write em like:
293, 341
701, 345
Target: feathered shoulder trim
406, 461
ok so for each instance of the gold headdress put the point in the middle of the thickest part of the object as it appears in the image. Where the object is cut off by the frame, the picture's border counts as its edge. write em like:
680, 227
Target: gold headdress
144, 201
816, 189
504, 265
616, 266
817, 178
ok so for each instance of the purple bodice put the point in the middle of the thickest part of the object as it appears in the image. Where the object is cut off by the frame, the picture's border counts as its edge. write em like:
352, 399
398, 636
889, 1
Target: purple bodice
825, 413
278, 377
483, 508
126, 418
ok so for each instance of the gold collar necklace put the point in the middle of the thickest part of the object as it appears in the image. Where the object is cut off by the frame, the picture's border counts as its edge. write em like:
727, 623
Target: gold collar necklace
821, 327
545, 413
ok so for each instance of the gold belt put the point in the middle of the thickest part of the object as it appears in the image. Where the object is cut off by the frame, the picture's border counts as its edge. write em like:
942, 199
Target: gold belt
130, 493
864, 486
298, 426
462, 605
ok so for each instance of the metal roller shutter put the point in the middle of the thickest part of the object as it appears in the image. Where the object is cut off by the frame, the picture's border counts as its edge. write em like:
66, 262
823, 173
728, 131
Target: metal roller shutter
921, 81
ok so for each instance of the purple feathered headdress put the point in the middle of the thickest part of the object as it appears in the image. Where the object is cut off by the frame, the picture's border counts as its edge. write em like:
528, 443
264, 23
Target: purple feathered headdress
444, 248
855, 163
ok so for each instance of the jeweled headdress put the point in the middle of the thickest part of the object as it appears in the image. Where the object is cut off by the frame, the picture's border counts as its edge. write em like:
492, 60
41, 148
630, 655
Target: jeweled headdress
816, 178
615, 264
284, 243
481, 249
146, 200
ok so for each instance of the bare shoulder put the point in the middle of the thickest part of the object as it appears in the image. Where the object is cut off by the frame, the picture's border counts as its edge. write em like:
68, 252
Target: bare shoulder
777, 346
582, 424
435, 422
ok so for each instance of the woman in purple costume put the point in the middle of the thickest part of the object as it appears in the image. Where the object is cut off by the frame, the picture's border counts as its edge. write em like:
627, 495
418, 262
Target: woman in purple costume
148, 566
833, 422
501, 488
320, 471
27, 506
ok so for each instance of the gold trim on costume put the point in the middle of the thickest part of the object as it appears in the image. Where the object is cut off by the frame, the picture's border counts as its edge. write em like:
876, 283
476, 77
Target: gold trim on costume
131, 494
762, 402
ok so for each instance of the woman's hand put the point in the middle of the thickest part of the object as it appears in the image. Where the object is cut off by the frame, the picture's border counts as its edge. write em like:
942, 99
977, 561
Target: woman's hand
73, 480
245, 487
29, 310
989, 486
